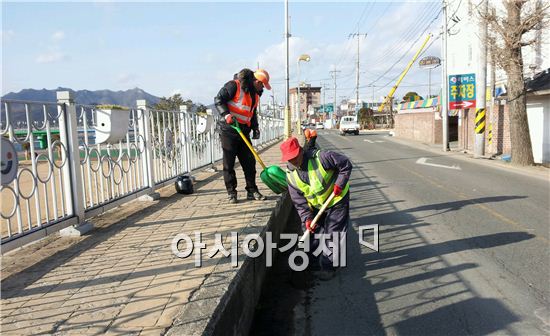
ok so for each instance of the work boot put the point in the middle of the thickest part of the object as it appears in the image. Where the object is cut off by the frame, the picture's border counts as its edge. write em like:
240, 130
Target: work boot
251, 196
232, 198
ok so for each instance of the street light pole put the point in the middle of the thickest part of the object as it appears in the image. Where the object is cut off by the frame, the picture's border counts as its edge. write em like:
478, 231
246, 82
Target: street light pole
297, 114
305, 58
445, 89
288, 126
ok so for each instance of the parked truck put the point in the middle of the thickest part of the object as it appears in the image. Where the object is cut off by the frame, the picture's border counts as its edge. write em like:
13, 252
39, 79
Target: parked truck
348, 124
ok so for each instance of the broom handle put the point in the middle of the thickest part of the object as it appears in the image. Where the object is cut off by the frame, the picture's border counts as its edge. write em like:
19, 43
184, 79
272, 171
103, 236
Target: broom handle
238, 129
314, 222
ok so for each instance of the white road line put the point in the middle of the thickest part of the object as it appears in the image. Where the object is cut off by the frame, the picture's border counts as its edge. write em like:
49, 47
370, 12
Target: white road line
369, 141
424, 161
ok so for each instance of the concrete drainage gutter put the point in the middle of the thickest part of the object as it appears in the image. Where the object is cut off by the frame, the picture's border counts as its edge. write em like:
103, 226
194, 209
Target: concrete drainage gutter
224, 304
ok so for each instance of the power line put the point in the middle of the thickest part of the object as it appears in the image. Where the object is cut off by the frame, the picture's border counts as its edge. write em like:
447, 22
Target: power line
408, 50
428, 13
413, 31
346, 49
379, 17
426, 18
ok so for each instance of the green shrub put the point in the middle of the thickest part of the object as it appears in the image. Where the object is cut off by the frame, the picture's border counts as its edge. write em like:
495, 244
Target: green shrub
112, 107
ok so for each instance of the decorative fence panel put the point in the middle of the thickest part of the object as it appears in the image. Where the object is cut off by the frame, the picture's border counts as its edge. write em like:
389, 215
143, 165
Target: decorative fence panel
66, 174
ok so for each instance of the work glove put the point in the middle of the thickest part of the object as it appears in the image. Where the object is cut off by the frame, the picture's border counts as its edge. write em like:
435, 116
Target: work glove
337, 190
255, 134
229, 118
308, 225
307, 132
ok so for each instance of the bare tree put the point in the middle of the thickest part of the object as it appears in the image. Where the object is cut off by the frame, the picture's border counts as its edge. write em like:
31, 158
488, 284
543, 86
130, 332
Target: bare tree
512, 28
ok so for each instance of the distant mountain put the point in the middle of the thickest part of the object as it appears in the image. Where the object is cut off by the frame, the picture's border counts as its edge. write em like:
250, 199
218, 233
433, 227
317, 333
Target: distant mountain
87, 97
84, 97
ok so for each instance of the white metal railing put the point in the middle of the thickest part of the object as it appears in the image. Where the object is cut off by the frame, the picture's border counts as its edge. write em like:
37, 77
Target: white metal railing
65, 177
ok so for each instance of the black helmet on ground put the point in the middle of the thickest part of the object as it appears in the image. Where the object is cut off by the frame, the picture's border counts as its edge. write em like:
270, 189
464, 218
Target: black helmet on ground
184, 185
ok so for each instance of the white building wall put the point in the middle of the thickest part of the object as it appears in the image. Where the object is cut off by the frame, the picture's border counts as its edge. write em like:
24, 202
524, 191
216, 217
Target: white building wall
462, 46
463, 49
538, 113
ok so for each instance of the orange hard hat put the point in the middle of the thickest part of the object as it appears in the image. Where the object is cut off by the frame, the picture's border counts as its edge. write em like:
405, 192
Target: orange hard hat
313, 134
263, 76
307, 133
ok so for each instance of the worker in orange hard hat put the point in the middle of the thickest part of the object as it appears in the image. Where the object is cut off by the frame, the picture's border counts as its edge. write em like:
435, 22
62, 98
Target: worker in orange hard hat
262, 76
237, 101
311, 137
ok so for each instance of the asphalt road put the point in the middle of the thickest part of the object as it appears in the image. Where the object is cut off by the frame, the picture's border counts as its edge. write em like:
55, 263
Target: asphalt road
463, 249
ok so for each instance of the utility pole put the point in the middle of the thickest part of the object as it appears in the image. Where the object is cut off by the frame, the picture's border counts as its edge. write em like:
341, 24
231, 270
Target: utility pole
481, 83
273, 106
324, 106
288, 128
324, 98
358, 35
334, 73
445, 82
372, 102
273, 97
491, 109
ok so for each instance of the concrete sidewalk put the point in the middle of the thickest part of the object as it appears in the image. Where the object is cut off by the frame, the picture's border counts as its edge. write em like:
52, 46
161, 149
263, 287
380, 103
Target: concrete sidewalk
122, 278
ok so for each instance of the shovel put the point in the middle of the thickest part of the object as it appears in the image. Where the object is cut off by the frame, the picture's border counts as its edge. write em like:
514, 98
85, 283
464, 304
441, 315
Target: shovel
273, 176
303, 280
313, 225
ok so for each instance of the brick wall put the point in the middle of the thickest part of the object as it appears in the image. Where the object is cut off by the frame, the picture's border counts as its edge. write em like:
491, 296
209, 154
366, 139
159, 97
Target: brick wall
420, 126
498, 118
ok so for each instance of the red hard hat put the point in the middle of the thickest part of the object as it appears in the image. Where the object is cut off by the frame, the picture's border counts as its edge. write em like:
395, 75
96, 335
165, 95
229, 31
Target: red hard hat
290, 149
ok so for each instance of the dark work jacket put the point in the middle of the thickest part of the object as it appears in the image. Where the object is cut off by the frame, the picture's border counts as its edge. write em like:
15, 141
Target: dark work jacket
330, 161
226, 94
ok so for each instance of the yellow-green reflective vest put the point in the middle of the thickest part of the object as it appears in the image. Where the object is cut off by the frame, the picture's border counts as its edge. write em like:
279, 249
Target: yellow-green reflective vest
321, 183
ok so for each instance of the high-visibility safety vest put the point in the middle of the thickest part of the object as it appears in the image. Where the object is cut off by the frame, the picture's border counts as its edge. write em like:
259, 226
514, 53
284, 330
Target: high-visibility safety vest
321, 183
241, 105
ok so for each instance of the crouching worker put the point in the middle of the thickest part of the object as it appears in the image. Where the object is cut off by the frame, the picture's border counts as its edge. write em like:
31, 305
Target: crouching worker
312, 177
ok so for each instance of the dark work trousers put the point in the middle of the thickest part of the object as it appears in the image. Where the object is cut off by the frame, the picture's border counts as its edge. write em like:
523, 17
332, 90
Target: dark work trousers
234, 147
334, 219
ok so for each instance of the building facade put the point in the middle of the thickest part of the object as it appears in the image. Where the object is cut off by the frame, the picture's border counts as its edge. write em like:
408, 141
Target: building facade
310, 98
463, 47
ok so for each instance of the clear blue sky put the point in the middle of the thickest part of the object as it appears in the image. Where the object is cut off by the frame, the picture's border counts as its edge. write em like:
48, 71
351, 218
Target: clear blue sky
194, 48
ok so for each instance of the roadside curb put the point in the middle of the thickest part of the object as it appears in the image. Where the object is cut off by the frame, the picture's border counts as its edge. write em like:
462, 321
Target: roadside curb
209, 312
